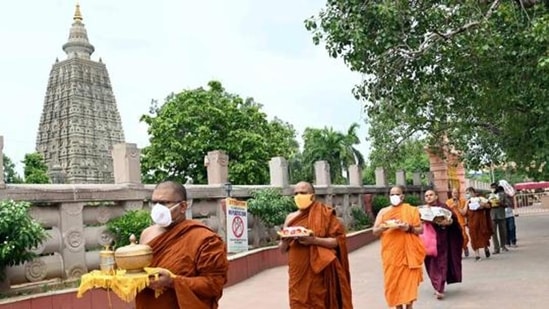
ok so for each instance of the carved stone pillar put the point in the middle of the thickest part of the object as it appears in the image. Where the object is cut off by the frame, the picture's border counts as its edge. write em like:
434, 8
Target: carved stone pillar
439, 170
322, 173
74, 247
355, 176
2, 180
381, 177
278, 169
401, 177
217, 164
126, 163
416, 179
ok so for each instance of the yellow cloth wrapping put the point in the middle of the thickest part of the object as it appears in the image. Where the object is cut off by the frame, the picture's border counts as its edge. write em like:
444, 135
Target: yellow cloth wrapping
125, 285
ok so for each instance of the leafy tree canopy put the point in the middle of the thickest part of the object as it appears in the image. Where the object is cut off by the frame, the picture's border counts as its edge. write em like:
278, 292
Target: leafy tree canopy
36, 170
467, 74
410, 156
10, 175
337, 148
193, 122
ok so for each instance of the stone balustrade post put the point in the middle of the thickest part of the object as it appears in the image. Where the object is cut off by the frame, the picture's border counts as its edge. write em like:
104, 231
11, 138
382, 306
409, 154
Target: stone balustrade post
401, 178
2, 180
217, 166
322, 173
74, 241
416, 179
355, 176
381, 177
278, 170
126, 163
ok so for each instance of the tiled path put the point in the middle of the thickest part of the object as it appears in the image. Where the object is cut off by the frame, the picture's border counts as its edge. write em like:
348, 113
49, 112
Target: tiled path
517, 279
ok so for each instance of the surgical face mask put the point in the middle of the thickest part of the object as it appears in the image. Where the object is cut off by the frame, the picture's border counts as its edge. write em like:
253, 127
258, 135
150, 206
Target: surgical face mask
303, 201
162, 215
467, 195
493, 190
395, 200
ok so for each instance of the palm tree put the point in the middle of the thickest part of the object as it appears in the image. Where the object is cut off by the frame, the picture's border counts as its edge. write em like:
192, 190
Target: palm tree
334, 147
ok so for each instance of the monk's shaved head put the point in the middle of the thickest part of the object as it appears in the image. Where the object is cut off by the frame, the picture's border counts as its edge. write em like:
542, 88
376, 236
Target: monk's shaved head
304, 187
177, 188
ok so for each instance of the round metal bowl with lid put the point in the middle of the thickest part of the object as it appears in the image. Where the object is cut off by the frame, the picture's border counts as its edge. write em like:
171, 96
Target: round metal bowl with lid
133, 257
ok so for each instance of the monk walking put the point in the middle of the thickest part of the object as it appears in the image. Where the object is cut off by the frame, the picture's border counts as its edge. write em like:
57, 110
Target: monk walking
318, 265
402, 251
189, 250
479, 222
459, 207
445, 267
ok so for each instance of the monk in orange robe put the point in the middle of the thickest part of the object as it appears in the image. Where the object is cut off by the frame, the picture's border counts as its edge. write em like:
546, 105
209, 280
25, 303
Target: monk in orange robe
188, 249
318, 265
402, 250
479, 222
459, 207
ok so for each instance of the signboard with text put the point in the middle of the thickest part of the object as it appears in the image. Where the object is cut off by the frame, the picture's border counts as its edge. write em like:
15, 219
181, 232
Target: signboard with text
237, 225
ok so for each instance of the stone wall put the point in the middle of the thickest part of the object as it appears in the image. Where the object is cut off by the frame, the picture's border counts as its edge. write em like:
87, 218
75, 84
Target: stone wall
75, 215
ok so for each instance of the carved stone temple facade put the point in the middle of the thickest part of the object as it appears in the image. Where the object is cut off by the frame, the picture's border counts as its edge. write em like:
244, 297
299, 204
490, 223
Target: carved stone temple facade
80, 121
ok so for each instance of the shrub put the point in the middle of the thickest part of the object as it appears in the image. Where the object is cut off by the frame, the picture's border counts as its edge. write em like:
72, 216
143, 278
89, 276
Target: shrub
361, 218
132, 222
378, 202
413, 200
19, 233
270, 206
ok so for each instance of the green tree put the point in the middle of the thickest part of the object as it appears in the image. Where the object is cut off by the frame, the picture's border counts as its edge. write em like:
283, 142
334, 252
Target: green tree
10, 175
35, 170
192, 123
473, 73
410, 156
334, 147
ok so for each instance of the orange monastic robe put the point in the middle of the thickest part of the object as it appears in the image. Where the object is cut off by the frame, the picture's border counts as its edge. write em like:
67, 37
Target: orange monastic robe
402, 256
198, 257
456, 206
319, 277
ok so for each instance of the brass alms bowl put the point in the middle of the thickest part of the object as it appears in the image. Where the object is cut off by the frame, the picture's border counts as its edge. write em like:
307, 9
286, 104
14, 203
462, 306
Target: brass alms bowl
133, 257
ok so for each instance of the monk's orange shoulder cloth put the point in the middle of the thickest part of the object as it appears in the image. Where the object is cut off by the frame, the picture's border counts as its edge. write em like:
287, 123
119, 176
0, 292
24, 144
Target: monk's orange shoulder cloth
198, 258
322, 220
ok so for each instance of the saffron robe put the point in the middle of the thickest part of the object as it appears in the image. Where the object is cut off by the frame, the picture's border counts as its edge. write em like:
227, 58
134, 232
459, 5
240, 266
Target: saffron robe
198, 257
456, 206
319, 277
402, 256
480, 227
446, 266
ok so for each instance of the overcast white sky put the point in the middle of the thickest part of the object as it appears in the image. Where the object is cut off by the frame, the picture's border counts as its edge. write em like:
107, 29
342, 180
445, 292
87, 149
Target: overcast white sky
255, 48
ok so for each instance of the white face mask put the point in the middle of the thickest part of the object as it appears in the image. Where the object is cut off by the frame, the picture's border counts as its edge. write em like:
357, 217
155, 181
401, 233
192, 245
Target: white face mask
162, 215
395, 199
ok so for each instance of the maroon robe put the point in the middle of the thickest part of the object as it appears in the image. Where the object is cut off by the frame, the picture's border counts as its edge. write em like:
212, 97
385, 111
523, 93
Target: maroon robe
446, 266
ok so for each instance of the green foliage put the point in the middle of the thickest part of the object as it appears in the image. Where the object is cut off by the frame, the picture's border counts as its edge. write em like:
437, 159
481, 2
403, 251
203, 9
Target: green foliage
378, 202
35, 169
19, 233
193, 122
466, 74
413, 200
336, 148
10, 175
270, 206
132, 222
410, 156
361, 218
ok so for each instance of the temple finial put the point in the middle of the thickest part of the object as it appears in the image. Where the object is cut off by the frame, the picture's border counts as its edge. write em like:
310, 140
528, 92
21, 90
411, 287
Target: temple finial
77, 13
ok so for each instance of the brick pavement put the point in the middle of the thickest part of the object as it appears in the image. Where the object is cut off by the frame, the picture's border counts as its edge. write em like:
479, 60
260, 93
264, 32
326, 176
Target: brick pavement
515, 280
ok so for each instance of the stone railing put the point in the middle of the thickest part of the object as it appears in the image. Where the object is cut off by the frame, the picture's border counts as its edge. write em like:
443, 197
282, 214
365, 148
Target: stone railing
75, 216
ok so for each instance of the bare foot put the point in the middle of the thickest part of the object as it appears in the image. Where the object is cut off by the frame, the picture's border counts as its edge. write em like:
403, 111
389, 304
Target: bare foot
439, 295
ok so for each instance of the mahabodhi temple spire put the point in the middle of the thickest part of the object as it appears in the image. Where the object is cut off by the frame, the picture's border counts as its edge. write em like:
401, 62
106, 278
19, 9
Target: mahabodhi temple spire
80, 120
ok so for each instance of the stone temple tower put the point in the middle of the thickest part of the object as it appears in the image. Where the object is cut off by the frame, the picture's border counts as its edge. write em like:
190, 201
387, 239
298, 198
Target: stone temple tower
80, 121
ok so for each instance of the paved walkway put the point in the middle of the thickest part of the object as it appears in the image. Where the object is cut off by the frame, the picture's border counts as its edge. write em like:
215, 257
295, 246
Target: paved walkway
515, 280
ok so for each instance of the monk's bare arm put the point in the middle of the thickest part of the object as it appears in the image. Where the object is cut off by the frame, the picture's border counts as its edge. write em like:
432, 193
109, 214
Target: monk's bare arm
378, 226
328, 242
